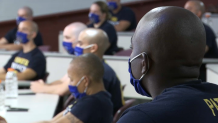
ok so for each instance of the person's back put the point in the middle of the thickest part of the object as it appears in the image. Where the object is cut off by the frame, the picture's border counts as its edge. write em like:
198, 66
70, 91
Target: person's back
112, 85
194, 102
211, 43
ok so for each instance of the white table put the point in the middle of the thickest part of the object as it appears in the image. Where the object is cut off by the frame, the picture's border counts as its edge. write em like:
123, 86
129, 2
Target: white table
21, 83
41, 107
212, 73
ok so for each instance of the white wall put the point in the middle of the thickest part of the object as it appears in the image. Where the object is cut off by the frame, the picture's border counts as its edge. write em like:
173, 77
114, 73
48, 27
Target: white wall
8, 8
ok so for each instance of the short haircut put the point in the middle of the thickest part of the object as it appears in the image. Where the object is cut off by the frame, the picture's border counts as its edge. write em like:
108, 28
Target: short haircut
89, 65
104, 8
28, 10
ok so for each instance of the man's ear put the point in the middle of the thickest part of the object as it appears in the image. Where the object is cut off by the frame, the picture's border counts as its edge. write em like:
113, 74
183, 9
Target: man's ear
94, 48
145, 63
33, 35
87, 81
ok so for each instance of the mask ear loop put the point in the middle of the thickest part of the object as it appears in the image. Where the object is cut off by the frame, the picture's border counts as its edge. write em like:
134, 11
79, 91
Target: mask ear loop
80, 80
88, 46
147, 61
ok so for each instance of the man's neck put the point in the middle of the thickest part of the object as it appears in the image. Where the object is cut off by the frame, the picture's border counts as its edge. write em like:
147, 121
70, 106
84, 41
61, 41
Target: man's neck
28, 47
117, 10
97, 25
99, 86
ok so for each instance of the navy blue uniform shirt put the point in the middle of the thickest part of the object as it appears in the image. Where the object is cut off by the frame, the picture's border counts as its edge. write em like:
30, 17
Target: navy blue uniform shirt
95, 108
34, 60
211, 43
112, 85
126, 14
194, 102
11, 37
112, 35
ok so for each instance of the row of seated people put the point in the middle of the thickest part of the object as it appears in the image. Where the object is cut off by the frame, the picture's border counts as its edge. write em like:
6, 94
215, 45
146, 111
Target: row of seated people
168, 77
110, 17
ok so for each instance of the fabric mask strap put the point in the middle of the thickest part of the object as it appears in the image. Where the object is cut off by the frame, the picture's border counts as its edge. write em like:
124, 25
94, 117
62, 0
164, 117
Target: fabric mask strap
88, 46
147, 61
80, 81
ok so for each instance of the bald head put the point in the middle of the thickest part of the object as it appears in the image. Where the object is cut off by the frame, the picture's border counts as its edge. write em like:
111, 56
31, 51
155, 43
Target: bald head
196, 7
28, 27
88, 65
95, 36
72, 31
25, 12
174, 39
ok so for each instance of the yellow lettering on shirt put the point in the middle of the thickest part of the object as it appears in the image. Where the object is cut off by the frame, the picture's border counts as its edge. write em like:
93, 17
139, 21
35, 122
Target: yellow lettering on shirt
22, 61
215, 99
210, 105
114, 19
215, 105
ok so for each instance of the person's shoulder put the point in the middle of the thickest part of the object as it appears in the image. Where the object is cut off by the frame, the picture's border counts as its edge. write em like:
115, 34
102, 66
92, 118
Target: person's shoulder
207, 28
38, 53
135, 115
90, 25
107, 69
13, 30
126, 9
108, 26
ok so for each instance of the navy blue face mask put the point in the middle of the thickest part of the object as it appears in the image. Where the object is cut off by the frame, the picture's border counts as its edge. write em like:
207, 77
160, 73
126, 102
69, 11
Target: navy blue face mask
68, 47
20, 19
74, 90
22, 37
78, 51
112, 5
94, 18
137, 82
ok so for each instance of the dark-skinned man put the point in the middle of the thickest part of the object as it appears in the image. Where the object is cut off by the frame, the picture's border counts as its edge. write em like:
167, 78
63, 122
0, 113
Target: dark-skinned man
30, 61
89, 41
168, 48
93, 103
9, 42
211, 50
123, 18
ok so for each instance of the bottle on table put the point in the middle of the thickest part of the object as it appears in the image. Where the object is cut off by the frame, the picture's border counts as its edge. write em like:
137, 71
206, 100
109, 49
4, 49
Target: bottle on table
11, 84
2, 99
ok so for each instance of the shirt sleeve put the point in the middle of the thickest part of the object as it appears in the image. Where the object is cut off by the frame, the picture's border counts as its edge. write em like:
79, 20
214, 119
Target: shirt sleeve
8, 65
135, 116
10, 36
83, 110
38, 64
128, 15
38, 39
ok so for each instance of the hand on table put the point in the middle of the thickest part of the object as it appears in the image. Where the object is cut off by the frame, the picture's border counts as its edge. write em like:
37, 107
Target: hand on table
37, 86
2, 120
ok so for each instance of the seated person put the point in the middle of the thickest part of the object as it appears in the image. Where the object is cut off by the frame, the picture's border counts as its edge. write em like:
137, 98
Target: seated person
89, 41
211, 50
30, 61
123, 18
93, 103
70, 35
98, 15
9, 42
198, 8
168, 49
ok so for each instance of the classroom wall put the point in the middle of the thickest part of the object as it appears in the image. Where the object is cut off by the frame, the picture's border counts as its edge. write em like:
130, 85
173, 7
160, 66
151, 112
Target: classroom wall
8, 8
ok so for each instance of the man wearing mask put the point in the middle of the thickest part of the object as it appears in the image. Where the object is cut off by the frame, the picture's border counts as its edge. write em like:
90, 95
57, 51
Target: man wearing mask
92, 102
167, 51
89, 41
123, 18
30, 63
211, 50
9, 42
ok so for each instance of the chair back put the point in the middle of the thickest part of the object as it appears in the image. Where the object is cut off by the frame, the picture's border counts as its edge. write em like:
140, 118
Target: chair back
68, 101
127, 105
